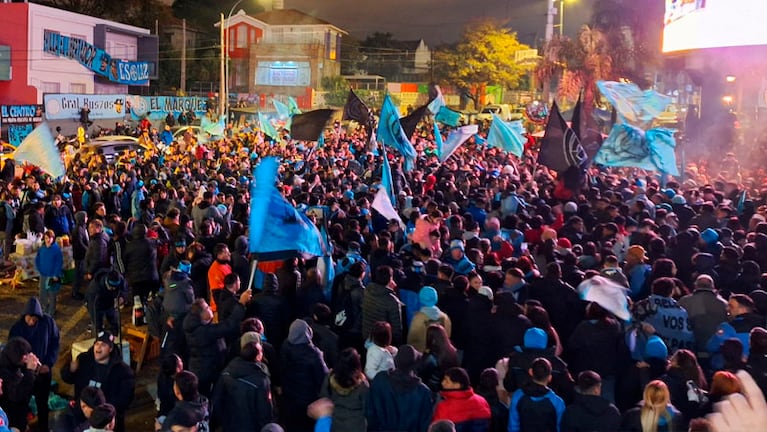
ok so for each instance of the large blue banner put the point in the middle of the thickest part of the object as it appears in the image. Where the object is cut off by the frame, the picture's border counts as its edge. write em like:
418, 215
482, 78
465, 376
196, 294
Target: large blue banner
96, 59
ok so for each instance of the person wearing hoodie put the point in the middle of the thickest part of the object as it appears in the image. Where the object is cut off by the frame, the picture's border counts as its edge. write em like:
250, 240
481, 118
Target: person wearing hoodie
706, 309
176, 302
535, 407
240, 261
590, 412
456, 257
427, 315
176, 255
347, 387
49, 262
273, 310
205, 339
242, 397
303, 371
79, 249
479, 351
102, 366
398, 400
469, 412
19, 367
42, 334
347, 307
189, 399
140, 258
380, 303
205, 210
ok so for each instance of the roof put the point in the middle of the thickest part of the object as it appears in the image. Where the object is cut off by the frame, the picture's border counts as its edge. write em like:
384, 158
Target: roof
288, 17
410, 45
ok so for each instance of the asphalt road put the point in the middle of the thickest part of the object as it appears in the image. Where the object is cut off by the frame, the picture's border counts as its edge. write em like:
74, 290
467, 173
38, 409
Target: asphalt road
72, 319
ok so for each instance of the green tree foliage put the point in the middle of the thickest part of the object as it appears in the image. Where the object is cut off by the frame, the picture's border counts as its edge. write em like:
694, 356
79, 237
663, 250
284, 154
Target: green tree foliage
141, 13
352, 59
484, 56
204, 14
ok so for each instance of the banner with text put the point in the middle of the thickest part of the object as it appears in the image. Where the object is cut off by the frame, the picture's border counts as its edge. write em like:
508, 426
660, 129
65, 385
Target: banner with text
18, 121
68, 106
96, 59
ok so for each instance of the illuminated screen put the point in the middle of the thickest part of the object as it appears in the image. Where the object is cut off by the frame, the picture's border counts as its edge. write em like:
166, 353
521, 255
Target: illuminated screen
696, 24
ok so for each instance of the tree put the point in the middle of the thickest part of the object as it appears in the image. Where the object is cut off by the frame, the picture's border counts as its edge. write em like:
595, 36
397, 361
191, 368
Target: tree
352, 59
484, 56
383, 55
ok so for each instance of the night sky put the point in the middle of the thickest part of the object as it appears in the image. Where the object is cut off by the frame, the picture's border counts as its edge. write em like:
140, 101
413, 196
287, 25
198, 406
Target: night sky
440, 21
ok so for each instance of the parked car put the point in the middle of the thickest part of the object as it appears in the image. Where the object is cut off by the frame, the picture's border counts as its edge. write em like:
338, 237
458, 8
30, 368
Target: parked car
503, 111
110, 146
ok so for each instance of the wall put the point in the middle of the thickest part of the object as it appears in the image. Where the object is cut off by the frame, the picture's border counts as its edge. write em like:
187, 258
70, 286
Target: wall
15, 34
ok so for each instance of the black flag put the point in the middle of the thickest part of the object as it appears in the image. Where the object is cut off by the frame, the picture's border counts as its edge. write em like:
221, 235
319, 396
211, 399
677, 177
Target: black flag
410, 121
309, 125
356, 110
560, 147
586, 129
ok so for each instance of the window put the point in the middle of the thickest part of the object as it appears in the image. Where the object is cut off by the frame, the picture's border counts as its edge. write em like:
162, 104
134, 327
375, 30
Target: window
77, 88
50, 87
242, 37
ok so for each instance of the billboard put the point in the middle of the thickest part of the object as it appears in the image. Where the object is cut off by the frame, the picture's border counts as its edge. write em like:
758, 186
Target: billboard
697, 24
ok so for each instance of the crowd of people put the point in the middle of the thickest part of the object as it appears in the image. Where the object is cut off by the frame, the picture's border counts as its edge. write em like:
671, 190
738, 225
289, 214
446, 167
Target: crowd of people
465, 315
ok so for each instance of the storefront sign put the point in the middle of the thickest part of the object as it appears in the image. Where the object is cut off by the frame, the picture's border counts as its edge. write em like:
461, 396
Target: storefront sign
68, 106
96, 59
18, 121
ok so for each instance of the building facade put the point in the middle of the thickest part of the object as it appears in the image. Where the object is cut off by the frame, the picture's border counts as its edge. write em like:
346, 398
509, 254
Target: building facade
56, 51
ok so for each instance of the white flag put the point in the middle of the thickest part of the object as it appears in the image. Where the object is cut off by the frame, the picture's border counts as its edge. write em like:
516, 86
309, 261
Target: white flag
383, 205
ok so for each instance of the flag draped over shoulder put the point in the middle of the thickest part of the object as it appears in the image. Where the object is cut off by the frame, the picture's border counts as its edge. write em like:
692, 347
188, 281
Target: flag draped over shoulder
267, 128
630, 146
390, 133
277, 229
309, 126
560, 147
447, 116
634, 106
506, 136
293, 108
39, 149
455, 139
410, 121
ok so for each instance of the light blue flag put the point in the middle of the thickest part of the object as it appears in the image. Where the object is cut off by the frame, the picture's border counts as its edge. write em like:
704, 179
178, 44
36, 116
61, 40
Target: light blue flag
213, 128
267, 128
447, 116
390, 133
39, 149
386, 177
282, 110
742, 203
438, 139
629, 146
277, 229
438, 102
634, 106
506, 136
479, 140
293, 108
321, 141
455, 139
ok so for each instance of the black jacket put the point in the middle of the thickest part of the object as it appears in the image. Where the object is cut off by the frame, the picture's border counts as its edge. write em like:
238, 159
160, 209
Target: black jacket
562, 303
455, 304
303, 368
480, 349
117, 380
97, 255
242, 397
199, 407
140, 257
276, 314
18, 382
603, 337
207, 349
590, 413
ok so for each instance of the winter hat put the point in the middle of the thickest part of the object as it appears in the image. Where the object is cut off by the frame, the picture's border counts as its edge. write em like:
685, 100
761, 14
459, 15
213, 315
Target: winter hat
427, 296
114, 278
548, 234
564, 243
270, 283
535, 338
570, 207
185, 267
670, 193
456, 244
272, 427
678, 199
486, 291
709, 236
655, 348
116, 188
107, 338
407, 357
417, 267
249, 337
300, 332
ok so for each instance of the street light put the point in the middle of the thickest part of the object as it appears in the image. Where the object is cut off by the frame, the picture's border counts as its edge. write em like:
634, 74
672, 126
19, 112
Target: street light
561, 17
224, 99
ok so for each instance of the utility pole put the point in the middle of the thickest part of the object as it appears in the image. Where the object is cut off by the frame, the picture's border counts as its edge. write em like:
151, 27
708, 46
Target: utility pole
222, 96
183, 58
550, 11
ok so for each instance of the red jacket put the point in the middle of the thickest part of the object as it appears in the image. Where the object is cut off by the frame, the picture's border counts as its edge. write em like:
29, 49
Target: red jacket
467, 410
